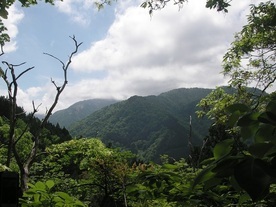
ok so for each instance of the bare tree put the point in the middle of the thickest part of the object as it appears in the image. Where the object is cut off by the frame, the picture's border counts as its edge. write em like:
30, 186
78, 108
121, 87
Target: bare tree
25, 165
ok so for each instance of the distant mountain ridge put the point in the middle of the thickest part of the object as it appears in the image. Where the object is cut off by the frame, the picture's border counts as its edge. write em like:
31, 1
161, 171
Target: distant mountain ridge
149, 126
79, 111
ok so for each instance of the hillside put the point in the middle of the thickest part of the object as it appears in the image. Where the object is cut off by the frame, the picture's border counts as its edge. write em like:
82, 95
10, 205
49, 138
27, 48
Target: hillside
79, 111
149, 126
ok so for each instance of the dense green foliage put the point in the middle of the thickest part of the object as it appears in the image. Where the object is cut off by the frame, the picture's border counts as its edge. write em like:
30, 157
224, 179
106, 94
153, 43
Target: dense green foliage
88, 170
42, 194
149, 126
252, 170
251, 58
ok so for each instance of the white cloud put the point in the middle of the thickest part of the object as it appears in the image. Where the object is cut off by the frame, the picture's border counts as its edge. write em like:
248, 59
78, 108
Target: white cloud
143, 56
181, 37
14, 18
78, 10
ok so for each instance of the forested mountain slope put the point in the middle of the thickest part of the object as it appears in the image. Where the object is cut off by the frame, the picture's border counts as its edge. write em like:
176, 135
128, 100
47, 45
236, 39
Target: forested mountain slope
52, 133
79, 111
149, 126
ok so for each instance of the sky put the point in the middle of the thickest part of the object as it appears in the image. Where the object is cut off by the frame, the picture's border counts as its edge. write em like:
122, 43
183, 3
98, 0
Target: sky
124, 50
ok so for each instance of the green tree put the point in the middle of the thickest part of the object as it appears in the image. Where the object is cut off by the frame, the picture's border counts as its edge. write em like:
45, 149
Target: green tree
251, 58
88, 170
251, 170
152, 5
5, 4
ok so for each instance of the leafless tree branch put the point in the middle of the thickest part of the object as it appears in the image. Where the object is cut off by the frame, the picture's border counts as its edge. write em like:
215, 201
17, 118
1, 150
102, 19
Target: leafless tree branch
12, 86
33, 153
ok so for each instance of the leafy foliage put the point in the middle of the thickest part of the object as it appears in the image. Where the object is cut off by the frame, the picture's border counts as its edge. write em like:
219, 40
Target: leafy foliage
42, 194
252, 170
4, 5
88, 170
214, 105
172, 185
152, 5
251, 58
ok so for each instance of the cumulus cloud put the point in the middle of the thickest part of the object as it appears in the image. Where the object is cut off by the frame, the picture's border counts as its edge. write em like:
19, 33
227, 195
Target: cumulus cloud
78, 10
14, 18
143, 55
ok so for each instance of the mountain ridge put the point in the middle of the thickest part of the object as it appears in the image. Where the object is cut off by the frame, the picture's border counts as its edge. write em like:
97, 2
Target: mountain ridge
148, 125
78, 111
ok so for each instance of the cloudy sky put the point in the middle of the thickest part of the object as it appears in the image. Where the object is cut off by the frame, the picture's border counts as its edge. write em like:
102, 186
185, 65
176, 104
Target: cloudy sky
125, 52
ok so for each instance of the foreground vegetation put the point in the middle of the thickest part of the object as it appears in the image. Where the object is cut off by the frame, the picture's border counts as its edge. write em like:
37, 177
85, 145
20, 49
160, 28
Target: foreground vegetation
234, 167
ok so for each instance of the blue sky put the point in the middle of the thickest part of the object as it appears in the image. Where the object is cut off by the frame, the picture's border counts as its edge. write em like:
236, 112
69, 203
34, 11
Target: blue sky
125, 52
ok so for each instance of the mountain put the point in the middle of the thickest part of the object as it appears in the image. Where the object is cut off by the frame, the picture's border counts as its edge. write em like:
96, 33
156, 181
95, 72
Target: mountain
149, 126
79, 111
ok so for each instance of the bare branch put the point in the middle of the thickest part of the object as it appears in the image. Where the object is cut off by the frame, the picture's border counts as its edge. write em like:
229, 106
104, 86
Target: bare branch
25, 71
62, 87
12, 86
65, 67
35, 109
13, 65
45, 53
54, 84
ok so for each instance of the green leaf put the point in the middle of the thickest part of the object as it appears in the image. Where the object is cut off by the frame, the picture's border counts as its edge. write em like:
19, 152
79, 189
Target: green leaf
4, 13
234, 118
40, 186
169, 166
248, 120
271, 107
36, 198
244, 198
235, 184
58, 199
265, 118
223, 148
249, 132
212, 183
252, 177
50, 184
78, 204
260, 149
203, 176
65, 196
144, 5
225, 167
272, 117
265, 133
237, 107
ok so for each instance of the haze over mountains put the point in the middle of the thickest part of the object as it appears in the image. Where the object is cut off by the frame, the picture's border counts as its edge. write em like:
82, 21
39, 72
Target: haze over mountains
148, 126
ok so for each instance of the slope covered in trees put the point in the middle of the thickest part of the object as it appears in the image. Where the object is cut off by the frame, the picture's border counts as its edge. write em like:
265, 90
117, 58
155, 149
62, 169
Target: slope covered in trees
150, 126
53, 134
79, 111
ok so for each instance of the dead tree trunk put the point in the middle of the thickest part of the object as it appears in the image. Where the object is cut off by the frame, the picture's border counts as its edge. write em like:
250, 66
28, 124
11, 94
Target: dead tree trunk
25, 165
